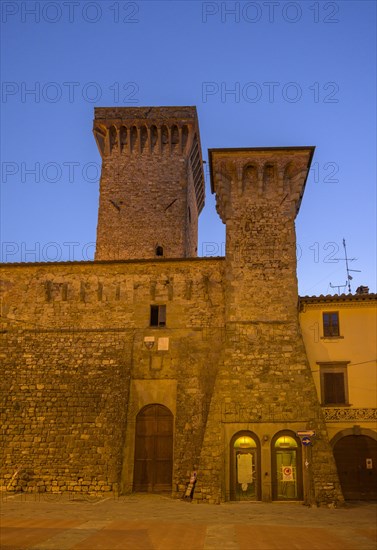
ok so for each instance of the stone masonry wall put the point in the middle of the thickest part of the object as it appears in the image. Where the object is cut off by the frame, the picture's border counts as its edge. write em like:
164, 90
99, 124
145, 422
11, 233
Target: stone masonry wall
64, 404
73, 341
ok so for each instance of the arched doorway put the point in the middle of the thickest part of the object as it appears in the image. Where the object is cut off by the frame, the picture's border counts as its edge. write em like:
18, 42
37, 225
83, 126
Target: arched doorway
153, 466
244, 467
286, 467
356, 461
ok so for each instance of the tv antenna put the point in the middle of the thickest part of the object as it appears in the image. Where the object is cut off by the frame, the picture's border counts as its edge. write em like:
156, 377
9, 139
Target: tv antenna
349, 277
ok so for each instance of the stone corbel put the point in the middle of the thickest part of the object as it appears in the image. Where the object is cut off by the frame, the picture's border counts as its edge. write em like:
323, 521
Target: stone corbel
170, 139
149, 139
239, 167
159, 139
118, 138
139, 138
280, 175
107, 142
180, 142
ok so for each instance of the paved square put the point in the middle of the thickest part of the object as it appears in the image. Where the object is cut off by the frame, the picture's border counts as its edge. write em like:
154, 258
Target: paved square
153, 522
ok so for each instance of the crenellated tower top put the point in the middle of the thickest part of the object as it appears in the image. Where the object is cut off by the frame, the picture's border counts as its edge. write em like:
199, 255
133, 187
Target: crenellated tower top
258, 195
275, 175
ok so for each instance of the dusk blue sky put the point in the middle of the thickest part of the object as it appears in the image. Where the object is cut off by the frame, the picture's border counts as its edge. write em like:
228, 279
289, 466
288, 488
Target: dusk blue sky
302, 73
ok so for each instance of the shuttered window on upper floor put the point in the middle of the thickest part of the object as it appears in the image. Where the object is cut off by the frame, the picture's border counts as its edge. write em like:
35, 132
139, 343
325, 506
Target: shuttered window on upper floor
334, 383
330, 323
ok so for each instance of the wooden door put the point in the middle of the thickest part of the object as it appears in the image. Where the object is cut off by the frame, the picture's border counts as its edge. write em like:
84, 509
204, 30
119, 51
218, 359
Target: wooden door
153, 465
356, 460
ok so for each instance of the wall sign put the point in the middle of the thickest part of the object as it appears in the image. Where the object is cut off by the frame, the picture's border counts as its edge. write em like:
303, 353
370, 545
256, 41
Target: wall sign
163, 344
287, 472
245, 469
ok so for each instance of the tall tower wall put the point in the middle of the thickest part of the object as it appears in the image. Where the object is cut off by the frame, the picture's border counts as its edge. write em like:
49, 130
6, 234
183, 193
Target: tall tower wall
264, 383
152, 184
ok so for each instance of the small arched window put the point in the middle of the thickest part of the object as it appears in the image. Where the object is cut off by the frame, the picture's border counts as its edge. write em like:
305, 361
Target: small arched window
159, 251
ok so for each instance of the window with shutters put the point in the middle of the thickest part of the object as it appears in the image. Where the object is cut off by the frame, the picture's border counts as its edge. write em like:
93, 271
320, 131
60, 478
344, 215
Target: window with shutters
330, 324
334, 386
158, 316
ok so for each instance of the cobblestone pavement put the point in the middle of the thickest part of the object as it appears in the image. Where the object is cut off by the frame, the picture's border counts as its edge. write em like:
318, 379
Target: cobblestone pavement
143, 522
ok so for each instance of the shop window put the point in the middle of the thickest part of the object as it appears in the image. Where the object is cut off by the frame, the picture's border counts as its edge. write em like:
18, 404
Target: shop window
286, 467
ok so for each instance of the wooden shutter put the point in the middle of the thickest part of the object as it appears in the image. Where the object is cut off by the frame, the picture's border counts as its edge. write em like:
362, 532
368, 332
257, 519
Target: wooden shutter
334, 389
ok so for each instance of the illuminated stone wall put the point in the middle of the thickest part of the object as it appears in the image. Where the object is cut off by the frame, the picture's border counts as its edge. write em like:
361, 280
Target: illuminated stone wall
73, 340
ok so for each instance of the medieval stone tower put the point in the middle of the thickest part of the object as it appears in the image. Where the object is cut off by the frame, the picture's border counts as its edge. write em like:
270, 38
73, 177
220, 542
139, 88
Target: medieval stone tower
152, 186
158, 362
264, 377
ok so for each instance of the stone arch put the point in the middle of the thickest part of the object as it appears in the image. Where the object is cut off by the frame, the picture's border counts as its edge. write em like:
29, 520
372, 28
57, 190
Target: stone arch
355, 430
250, 177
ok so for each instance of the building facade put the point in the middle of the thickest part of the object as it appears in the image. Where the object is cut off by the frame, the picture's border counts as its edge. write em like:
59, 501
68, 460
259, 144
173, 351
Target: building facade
130, 372
340, 339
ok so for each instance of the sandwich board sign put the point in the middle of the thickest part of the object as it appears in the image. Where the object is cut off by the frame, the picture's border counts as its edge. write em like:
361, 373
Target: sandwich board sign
191, 486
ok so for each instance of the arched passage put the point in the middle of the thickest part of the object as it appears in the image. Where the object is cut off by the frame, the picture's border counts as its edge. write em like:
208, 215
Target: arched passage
153, 466
245, 466
356, 461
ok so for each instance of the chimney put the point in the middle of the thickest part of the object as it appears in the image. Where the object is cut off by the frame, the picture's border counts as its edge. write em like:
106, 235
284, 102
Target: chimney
362, 290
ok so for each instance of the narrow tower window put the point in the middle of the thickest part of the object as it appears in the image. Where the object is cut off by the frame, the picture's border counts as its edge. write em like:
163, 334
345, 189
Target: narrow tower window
158, 316
159, 251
